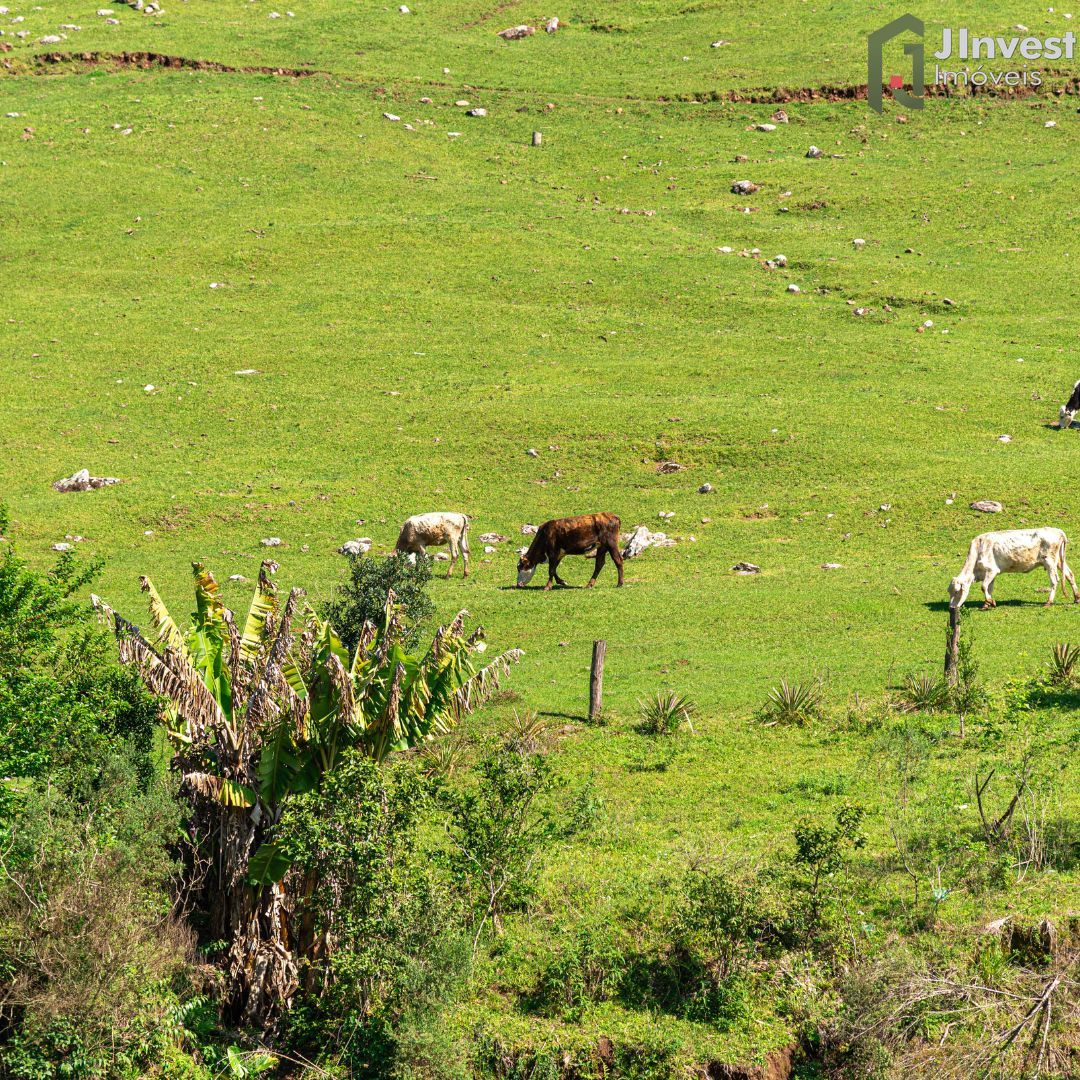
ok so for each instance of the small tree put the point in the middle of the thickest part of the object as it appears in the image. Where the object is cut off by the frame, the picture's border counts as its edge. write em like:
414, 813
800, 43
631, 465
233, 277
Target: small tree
497, 832
967, 694
363, 597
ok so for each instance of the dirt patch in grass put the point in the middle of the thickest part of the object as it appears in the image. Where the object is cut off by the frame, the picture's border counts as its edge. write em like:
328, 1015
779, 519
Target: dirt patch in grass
146, 60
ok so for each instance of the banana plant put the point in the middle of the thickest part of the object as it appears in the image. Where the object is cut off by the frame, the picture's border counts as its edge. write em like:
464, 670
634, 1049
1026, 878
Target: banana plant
263, 712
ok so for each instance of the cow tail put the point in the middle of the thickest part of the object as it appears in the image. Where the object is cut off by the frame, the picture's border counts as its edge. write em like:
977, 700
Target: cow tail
1061, 556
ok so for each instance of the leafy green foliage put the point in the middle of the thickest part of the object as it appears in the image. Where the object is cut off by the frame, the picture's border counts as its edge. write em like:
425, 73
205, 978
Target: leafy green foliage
1063, 659
362, 599
923, 693
498, 831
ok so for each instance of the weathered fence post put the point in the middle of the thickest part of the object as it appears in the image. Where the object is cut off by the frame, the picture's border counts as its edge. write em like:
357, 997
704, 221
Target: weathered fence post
537, 138
952, 648
596, 680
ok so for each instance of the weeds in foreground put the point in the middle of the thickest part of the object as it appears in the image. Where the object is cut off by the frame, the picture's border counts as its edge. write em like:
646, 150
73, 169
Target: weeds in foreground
1063, 658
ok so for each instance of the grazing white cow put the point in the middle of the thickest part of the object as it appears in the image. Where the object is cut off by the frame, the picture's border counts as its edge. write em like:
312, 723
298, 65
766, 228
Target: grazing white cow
436, 529
1014, 551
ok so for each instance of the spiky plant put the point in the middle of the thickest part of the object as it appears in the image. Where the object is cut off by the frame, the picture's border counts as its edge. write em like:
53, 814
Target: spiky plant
798, 703
923, 693
665, 712
1063, 658
261, 713
527, 731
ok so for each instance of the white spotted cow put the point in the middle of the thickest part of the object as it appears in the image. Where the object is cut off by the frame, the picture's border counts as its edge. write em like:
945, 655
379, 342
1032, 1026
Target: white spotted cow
1014, 551
436, 529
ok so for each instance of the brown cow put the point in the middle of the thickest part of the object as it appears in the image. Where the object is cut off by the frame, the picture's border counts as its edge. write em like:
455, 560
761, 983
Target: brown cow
572, 536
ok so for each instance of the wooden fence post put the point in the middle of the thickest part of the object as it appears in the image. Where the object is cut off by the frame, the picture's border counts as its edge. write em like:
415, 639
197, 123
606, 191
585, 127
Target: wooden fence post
952, 648
596, 680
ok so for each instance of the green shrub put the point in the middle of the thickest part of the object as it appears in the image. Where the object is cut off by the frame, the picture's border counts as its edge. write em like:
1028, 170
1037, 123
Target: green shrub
498, 832
589, 965
363, 597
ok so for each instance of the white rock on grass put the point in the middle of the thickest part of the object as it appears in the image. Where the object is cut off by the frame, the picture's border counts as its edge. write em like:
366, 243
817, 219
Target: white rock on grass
83, 481
744, 187
61, 547
477, 112
746, 568
529, 530
814, 152
493, 538
390, 116
641, 538
764, 127
551, 26
987, 506
489, 550
780, 260
705, 489
271, 541
531, 452
515, 33
360, 546
858, 242
794, 289
1005, 438
237, 577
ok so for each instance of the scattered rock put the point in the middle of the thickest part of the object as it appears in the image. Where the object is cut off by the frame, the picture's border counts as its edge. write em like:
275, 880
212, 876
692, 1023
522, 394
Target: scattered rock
780, 116
61, 547
814, 152
441, 556
764, 127
493, 538
831, 566
247, 371
667, 515
390, 116
745, 187
665, 467
1005, 438
641, 538
529, 530
745, 568
1049, 123
515, 33
704, 489
532, 452
551, 26
271, 541
355, 547
794, 289
987, 506
477, 112
404, 10
83, 481
237, 577
780, 260
862, 311
858, 243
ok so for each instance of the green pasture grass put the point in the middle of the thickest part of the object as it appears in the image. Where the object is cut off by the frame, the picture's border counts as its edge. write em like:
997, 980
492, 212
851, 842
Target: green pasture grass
421, 310
623, 49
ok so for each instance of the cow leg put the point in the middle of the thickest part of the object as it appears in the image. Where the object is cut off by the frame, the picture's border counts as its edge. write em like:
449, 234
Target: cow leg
553, 563
601, 556
453, 556
1067, 573
1052, 574
465, 552
988, 591
616, 558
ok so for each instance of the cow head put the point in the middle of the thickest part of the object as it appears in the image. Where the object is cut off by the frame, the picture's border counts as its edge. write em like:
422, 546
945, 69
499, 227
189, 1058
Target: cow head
1065, 417
959, 588
525, 571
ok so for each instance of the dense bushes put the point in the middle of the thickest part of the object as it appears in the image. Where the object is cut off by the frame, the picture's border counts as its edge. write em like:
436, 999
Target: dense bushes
91, 960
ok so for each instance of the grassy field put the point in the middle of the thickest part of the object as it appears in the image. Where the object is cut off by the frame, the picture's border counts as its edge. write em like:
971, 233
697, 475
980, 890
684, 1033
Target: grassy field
421, 309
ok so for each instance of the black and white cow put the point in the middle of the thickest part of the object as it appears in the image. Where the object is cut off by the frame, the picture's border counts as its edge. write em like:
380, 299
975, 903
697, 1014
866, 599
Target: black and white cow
1070, 408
